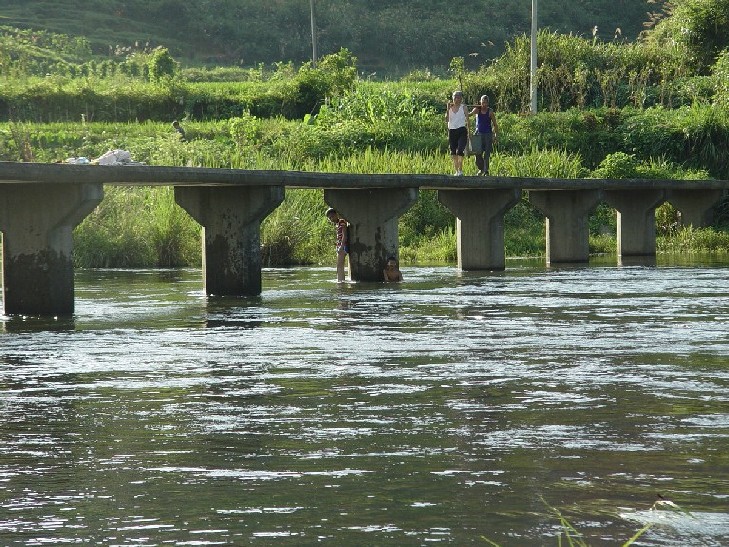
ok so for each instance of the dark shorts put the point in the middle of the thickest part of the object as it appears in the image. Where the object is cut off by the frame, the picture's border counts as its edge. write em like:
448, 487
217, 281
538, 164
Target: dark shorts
485, 142
457, 140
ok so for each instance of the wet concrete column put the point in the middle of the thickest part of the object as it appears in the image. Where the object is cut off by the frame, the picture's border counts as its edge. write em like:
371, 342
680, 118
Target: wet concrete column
568, 231
480, 225
636, 220
695, 205
373, 232
231, 219
37, 222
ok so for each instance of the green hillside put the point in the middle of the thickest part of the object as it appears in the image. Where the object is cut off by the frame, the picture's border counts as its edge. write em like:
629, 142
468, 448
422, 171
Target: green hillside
385, 36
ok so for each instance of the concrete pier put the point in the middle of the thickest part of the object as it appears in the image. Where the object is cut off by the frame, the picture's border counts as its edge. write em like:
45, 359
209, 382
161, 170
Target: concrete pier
480, 225
568, 230
231, 218
695, 205
37, 223
373, 232
636, 220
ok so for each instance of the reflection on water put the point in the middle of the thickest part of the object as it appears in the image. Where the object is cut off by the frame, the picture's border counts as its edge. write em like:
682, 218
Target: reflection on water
445, 409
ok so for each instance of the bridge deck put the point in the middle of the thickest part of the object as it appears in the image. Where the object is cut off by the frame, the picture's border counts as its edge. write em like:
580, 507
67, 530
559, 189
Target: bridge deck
145, 175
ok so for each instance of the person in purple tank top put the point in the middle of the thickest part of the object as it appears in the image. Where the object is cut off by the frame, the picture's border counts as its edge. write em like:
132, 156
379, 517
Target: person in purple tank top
485, 135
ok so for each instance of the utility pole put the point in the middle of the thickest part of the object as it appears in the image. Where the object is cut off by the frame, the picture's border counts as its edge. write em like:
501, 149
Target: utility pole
533, 68
314, 55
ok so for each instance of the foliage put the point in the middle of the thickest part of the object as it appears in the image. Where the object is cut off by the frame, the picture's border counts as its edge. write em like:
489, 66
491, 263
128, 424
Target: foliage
617, 166
457, 68
577, 72
696, 137
137, 227
161, 64
696, 29
426, 220
721, 80
370, 104
687, 240
668, 220
116, 95
245, 129
222, 74
18, 139
38, 52
333, 75
297, 232
437, 249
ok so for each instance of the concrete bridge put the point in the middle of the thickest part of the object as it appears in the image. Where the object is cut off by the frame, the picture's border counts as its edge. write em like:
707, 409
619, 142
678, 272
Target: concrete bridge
40, 204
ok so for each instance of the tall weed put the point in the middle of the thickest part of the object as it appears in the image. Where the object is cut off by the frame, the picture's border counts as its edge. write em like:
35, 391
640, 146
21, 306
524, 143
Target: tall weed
689, 240
137, 227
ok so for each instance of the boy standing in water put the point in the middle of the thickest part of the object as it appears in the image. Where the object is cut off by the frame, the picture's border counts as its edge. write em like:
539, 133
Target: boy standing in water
392, 271
342, 241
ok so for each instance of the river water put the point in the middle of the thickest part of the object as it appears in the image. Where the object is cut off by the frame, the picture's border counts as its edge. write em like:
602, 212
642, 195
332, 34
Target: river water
453, 408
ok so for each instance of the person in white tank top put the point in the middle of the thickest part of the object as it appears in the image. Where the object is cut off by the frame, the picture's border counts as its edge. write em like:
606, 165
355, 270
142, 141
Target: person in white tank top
456, 118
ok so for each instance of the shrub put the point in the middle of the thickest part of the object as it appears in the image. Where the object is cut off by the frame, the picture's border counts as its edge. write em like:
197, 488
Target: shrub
309, 89
161, 64
618, 165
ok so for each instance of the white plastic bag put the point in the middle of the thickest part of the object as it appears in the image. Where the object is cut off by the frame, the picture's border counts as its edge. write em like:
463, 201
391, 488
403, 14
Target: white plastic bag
114, 157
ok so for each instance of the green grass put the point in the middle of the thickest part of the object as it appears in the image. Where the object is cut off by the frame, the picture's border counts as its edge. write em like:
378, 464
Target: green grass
137, 227
688, 240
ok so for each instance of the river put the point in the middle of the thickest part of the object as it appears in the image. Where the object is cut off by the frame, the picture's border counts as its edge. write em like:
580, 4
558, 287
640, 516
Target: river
454, 408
